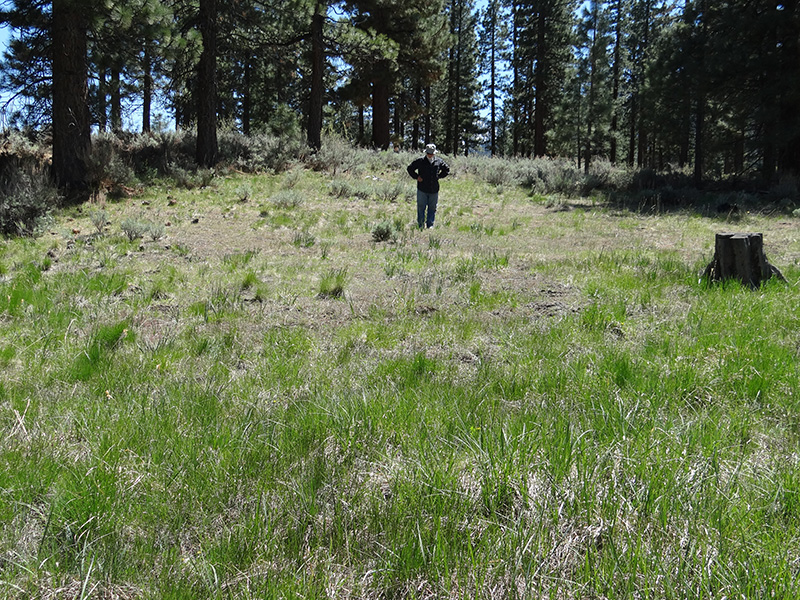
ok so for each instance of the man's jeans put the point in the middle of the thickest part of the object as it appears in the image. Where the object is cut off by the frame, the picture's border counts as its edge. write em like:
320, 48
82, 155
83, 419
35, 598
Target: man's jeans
426, 201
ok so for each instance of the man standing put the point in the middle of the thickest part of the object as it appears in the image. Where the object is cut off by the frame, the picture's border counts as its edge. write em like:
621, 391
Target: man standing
428, 170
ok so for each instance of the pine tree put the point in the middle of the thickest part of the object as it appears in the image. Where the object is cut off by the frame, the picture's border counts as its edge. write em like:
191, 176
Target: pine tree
26, 70
71, 130
594, 38
207, 145
648, 21
618, 10
462, 104
126, 50
62, 33
493, 46
542, 38
407, 38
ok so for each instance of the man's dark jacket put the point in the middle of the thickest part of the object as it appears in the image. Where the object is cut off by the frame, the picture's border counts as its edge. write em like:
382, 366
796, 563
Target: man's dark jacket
430, 171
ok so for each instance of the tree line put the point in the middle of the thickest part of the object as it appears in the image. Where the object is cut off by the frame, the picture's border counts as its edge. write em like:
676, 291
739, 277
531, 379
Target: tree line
712, 88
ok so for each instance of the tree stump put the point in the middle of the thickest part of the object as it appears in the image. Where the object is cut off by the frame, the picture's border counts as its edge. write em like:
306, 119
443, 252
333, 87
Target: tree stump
741, 256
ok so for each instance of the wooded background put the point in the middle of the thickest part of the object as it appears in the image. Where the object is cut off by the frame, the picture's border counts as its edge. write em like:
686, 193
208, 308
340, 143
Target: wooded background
709, 87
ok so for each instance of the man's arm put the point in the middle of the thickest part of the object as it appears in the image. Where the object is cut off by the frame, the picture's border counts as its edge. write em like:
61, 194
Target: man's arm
444, 170
412, 170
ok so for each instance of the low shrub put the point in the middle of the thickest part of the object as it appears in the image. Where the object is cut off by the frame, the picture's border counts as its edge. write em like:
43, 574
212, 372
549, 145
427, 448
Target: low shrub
259, 151
26, 198
99, 219
111, 167
234, 148
335, 156
134, 228
383, 232
499, 174
244, 193
287, 199
291, 179
190, 179
787, 189
342, 188
156, 231
389, 191
153, 153
389, 161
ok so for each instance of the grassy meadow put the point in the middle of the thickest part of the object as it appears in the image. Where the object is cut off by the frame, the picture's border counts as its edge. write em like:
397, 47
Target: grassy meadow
275, 386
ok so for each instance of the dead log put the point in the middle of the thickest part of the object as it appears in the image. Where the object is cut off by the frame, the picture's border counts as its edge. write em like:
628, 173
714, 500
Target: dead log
741, 256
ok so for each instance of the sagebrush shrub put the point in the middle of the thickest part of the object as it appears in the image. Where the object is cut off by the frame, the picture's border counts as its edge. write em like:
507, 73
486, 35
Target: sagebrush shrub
340, 188
291, 179
110, 167
335, 156
258, 151
277, 154
234, 148
26, 199
499, 174
154, 152
388, 161
99, 219
156, 231
787, 188
287, 199
362, 191
389, 191
189, 179
383, 232
134, 228
470, 165
244, 193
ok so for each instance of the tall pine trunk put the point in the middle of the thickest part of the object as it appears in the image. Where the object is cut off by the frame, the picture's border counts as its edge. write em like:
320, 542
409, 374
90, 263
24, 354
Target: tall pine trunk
449, 109
789, 102
317, 68
700, 106
247, 100
427, 114
399, 123
515, 85
147, 87
541, 76
102, 105
207, 146
116, 100
415, 125
72, 141
634, 118
380, 114
699, 140
615, 75
493, 102
590, 109
643, 99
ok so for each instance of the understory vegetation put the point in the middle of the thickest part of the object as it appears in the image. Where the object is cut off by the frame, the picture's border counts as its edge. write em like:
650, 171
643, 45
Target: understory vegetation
265, 382
124, 165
